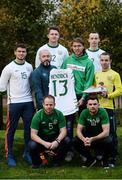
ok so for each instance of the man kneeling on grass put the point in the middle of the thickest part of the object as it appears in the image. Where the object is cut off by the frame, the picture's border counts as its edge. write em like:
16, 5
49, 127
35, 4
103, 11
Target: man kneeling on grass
48, 134
93, 133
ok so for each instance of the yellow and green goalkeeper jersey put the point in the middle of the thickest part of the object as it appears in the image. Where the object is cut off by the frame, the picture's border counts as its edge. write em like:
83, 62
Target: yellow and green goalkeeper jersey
112, 81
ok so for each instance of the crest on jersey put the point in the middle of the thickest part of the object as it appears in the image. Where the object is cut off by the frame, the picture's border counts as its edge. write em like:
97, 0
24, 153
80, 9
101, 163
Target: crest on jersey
55, 121
59, 52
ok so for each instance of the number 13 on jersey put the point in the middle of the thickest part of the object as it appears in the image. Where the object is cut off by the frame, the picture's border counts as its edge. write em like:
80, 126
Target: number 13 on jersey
59, 87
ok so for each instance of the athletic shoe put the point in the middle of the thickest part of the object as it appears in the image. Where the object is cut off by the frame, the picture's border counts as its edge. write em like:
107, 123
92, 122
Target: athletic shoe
112, 162
11, 162
89, 163
111, 165
69, 156
27, 158
105, 164
83, 158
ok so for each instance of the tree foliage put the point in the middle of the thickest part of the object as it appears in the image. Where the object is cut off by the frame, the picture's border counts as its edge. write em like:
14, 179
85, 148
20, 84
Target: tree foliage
24, 21
27, 21
79, 18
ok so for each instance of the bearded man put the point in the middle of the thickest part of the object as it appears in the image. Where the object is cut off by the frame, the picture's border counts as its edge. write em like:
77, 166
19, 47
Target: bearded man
40, 77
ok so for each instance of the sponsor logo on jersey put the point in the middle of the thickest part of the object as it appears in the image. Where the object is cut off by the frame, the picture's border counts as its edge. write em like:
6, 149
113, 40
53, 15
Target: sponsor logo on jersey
76, 67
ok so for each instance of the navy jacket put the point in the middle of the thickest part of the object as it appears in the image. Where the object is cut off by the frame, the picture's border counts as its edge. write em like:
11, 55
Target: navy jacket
39, 83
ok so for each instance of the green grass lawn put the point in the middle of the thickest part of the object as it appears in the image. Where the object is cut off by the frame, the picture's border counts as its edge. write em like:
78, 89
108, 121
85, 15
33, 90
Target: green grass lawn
72, 170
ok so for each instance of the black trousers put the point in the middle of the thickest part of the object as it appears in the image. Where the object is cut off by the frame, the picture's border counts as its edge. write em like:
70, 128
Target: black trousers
70, 125
35, 149
113, 131
103, 145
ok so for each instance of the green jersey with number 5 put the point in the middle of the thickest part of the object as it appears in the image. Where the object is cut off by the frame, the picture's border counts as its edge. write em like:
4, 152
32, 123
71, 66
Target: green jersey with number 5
48, 125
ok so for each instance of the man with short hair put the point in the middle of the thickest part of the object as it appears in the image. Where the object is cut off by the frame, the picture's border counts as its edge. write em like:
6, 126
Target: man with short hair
40, 77
58, 52
48, 133
111, 80
93, 133
15, 79
94, 51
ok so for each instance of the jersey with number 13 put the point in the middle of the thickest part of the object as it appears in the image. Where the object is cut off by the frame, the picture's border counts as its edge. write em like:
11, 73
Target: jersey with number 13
61, 86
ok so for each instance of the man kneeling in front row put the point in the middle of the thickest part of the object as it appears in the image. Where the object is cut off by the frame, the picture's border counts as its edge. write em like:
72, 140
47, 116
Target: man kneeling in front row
48, 134
93, 133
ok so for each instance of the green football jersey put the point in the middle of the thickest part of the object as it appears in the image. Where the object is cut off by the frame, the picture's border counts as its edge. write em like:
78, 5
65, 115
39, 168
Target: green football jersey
48, 125
93, 123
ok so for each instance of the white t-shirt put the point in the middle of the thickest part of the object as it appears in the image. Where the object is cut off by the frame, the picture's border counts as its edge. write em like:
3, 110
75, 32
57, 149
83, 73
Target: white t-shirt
61, 86
59, 54
15, 79
95, 57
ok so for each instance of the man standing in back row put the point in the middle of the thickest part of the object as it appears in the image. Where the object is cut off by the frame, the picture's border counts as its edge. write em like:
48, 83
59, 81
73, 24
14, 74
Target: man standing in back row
83, 69
15, 79
58, 52
94, 51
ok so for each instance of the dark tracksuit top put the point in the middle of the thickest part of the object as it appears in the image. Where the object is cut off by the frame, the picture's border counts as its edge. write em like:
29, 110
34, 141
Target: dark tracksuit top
40, 82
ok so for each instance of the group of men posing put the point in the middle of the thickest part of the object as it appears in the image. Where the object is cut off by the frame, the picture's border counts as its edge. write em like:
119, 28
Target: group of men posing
58, 83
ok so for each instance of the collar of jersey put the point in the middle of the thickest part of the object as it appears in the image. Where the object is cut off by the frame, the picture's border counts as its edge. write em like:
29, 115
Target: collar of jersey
93, 50
46, 113
18, 63
53, 46
80, 57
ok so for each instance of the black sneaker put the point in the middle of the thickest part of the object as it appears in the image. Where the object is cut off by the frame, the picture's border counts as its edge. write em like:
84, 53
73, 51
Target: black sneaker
89, 163
105, 164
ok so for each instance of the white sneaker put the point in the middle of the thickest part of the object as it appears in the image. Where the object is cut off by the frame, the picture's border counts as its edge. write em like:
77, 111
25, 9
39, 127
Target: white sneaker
69, 156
